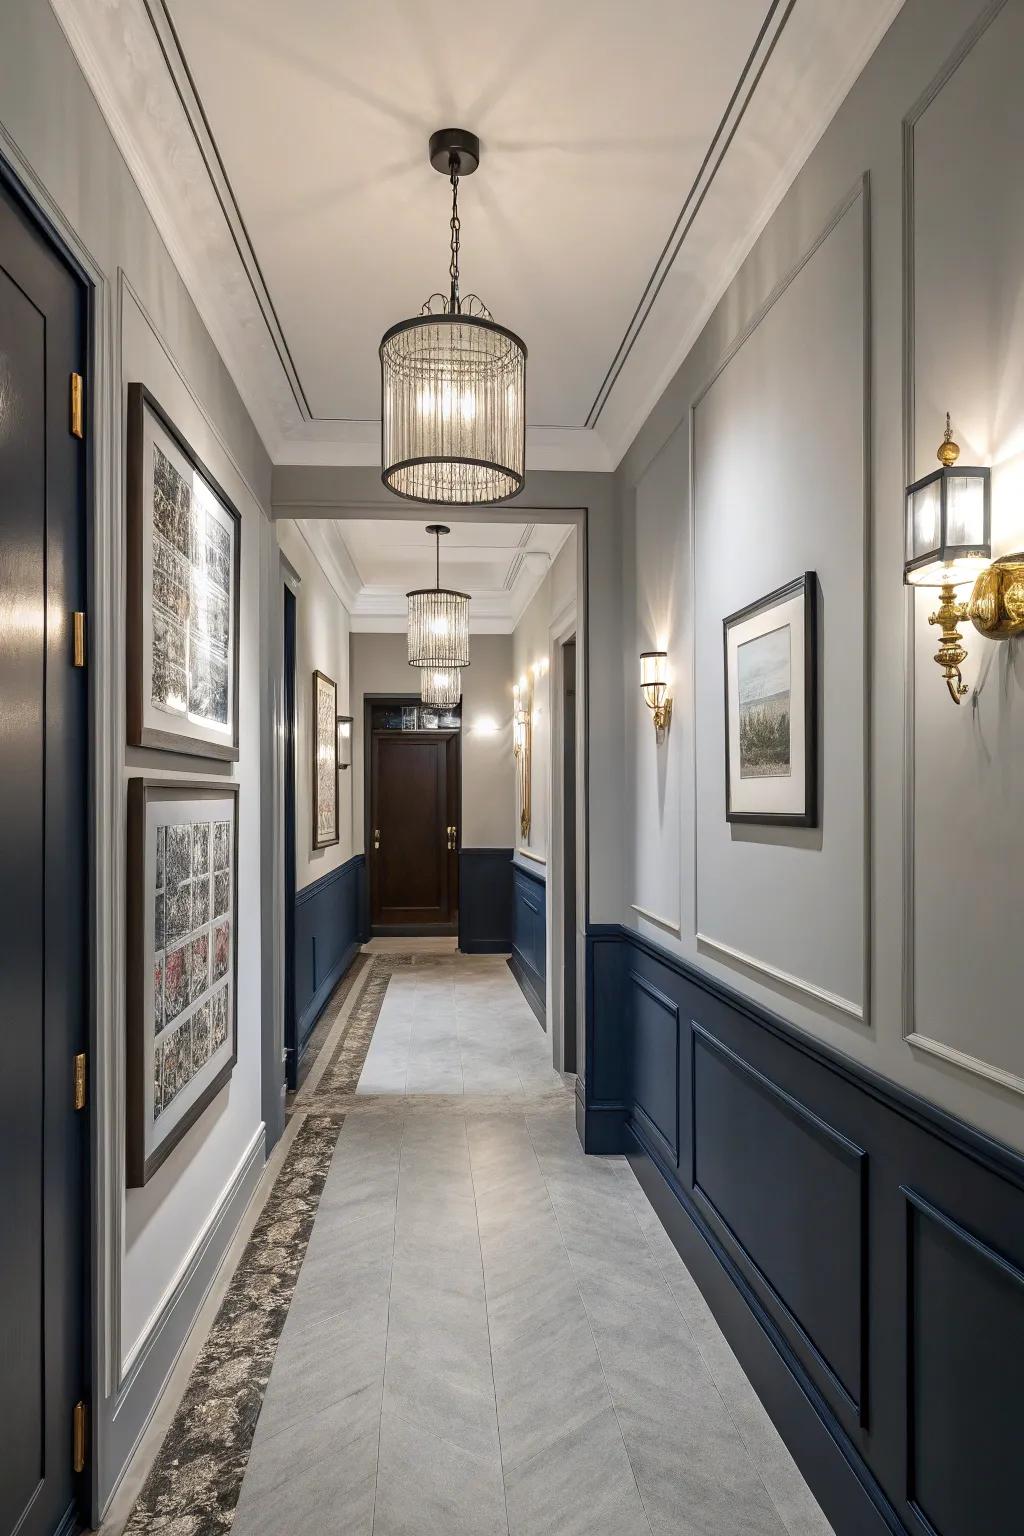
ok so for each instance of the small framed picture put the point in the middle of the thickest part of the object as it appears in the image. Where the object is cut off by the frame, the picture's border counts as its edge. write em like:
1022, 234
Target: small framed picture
182, 977
325, 761
771, 708
184, 539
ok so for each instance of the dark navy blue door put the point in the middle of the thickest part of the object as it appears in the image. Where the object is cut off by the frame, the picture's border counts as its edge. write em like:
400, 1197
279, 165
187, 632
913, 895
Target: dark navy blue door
42, 877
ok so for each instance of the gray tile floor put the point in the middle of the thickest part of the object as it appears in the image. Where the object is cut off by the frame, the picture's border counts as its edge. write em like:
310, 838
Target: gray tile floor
491, 1333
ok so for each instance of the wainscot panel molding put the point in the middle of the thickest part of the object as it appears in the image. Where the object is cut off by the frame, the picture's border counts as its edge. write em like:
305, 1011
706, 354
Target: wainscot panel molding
485, 901
329, 928
152, 1357
862, 1250
528, 962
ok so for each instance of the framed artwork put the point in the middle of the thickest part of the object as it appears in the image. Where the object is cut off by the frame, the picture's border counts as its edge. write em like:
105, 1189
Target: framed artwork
771, 708
325, 761
184, 545
182, 1009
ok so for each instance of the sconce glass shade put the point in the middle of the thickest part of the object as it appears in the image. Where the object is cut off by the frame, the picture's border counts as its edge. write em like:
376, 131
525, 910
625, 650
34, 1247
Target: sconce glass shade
453, 409
948, 527
344, 741
438, 629
654, 677
441, 686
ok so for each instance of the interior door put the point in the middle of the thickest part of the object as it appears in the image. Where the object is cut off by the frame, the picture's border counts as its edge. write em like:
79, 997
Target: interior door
42, 891
414, 814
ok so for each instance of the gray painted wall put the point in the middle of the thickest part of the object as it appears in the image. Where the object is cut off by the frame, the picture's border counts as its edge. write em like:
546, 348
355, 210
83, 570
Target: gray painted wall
156, 1249
780, 436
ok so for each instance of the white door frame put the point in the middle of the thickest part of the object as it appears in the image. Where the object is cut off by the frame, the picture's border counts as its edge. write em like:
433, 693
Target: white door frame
563, 627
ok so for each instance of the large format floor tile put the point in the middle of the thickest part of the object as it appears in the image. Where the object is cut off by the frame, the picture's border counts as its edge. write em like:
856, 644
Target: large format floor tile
491, 1334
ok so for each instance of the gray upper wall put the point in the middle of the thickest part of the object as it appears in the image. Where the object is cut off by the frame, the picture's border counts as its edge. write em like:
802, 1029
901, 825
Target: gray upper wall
800, 436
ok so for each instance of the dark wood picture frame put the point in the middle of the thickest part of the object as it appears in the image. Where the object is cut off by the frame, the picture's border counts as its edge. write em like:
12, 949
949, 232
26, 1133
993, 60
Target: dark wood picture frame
137, 663
140, 1168
805, 586
317, 841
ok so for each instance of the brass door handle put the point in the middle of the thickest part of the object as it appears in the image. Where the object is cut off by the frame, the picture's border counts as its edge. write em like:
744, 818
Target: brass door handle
452, 838
376, 839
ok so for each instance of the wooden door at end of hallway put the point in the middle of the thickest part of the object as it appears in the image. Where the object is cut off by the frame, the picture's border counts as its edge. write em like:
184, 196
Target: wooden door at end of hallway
414, 831
43, 898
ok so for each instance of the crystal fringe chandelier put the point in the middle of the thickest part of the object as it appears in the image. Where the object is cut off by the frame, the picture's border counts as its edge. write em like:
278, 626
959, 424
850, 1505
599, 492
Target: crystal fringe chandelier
441, 687
453, 382
438, 621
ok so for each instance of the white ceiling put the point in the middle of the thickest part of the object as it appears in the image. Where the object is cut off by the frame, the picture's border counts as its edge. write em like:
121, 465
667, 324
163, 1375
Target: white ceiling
373, 563
631, 154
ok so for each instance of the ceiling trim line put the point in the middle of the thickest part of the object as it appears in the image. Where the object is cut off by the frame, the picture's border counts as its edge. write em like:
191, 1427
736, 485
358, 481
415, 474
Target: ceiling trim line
665, 262
239, 235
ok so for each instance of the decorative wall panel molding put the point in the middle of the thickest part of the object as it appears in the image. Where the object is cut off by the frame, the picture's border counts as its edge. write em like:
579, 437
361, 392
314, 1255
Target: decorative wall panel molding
961, 988
328, 933
813, 326
528, 961
862, 1250
485, 901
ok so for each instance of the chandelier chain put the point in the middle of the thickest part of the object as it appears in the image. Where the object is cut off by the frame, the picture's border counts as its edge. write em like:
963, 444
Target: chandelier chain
453, 265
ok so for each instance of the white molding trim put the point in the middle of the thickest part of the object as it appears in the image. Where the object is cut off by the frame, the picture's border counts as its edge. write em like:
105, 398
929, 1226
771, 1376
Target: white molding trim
966, 1062
652, 917
859, 193
525, 853
785, 978
160, 1343
175, 1286
289, 574
974, 1065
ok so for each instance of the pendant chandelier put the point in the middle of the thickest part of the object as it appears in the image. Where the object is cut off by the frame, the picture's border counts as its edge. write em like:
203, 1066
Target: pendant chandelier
453, 382
438, 621
440, 686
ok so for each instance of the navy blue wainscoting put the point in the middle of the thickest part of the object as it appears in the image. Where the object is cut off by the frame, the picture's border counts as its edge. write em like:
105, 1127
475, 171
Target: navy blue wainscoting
328, 933
528, 962
862, 1250
485, 901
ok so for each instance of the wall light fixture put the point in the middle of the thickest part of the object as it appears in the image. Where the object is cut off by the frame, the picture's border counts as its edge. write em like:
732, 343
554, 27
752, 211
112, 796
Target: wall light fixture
344, 742
948, 544
522, 742
654, 686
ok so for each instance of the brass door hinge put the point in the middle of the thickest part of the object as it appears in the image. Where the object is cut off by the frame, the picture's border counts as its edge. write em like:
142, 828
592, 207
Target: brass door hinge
80, 1080
77, 406
78, 1438
78, 639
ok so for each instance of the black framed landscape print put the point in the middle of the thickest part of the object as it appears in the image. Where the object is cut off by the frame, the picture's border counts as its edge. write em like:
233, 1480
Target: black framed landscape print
325, 761
182, 972
771, 708
184, 561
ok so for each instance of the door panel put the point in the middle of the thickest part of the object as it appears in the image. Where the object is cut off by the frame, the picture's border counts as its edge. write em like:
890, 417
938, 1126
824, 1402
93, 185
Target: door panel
413, 802
42, 894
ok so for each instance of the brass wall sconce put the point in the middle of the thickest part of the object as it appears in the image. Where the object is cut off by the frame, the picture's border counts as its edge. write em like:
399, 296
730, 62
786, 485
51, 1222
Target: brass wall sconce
654, 687
522, 743
344, 742
949, 543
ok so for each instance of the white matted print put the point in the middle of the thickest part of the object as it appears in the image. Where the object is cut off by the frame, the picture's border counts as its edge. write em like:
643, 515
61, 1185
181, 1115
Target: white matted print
183, 581
325, 761
182, 972
771, 708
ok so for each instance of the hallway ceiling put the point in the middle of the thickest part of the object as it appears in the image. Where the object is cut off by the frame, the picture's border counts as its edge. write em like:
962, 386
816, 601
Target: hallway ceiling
631, 154
372, 564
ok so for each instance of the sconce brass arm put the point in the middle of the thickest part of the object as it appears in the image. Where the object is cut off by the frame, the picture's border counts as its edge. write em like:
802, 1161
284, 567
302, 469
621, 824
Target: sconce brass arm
951, 653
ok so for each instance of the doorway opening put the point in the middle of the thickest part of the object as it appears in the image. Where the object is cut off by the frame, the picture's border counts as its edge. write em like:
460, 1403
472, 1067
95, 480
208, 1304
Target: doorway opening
413, 771
568, 674
291, 1044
